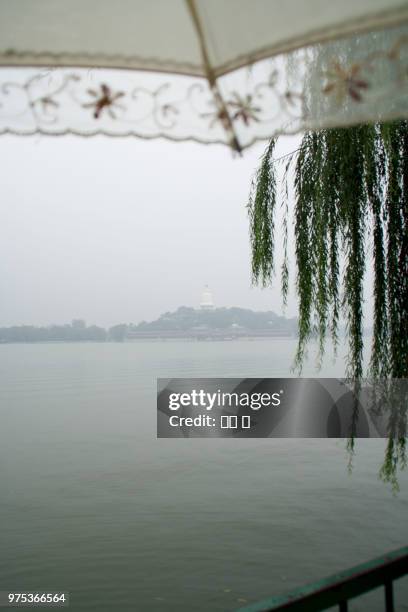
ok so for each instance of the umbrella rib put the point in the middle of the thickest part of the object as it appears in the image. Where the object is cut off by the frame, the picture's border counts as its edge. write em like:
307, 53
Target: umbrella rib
212, 80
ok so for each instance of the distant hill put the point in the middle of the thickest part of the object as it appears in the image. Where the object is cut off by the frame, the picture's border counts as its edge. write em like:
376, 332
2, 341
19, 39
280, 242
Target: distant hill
77, 331
219, 321
185, 322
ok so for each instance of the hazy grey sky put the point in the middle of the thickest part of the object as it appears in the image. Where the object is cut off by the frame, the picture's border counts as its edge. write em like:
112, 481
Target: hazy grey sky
120, 230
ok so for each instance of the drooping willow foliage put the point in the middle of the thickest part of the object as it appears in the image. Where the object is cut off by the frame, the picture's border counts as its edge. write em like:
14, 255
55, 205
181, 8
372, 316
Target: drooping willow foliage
350, 204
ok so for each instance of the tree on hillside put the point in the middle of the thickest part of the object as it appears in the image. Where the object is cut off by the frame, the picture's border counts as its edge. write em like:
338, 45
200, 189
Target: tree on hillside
118, 332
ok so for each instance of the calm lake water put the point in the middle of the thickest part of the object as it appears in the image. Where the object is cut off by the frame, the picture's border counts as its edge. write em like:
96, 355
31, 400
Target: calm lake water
92, 503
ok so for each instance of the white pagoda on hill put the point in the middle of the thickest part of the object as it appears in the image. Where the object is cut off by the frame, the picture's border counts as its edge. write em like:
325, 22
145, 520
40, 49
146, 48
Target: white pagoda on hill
207, 302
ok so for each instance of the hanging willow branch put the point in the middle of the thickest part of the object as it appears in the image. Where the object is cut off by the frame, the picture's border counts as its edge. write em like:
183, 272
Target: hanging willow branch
350, 205
351, 190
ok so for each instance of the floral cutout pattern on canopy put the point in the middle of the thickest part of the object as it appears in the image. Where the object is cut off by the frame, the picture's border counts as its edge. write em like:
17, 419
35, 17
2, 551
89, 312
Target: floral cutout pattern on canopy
341, 83
104, 99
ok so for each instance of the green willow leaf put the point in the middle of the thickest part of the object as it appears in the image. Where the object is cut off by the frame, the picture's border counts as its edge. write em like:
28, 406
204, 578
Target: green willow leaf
351, 206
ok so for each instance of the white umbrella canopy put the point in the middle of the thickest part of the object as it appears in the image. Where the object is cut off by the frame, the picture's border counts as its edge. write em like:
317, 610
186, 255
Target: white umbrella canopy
228, 71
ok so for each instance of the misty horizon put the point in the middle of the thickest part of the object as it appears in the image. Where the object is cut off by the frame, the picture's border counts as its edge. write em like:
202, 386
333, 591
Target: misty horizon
109, 230
72, 320
123, 230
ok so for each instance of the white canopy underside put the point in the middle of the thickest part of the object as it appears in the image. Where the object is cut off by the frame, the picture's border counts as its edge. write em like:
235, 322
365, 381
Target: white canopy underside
314, 63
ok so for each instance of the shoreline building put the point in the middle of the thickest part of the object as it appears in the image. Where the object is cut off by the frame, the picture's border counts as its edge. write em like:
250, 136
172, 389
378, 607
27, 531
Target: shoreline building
207, 302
